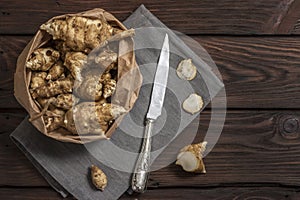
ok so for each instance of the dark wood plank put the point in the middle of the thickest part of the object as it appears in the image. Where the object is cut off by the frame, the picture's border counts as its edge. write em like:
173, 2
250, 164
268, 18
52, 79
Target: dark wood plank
30, 194
9, 121
270, 193
10, 48
258, 72
274, 193
255, 147
19, 171
291, 17
296, 29
189, 17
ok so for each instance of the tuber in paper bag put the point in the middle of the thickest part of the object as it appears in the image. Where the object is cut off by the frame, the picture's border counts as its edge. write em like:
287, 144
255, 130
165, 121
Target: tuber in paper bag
128, 86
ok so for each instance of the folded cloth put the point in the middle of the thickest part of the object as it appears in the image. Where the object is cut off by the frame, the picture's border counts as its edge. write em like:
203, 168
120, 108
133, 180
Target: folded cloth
66, 166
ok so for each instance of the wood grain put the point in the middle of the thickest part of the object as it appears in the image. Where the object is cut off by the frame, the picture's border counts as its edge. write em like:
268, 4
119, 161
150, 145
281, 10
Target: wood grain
258, 72
291, 17
10, 48
30, 194
190, 17
256, 47
252, 149
9, 121
17, 170
238, 193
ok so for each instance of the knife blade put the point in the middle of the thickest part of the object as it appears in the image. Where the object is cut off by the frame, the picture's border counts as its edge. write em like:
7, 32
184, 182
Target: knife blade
160, 82
140, 175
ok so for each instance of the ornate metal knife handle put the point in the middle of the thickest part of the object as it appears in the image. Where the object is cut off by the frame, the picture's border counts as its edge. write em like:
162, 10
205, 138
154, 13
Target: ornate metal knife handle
142, 167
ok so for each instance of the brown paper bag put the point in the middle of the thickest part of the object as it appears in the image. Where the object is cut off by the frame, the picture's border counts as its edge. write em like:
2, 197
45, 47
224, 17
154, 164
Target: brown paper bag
125, 95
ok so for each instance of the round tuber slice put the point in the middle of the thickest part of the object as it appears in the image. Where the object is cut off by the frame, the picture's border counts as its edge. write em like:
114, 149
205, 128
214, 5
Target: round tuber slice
186, 70
193, 104
190, 158
188, 161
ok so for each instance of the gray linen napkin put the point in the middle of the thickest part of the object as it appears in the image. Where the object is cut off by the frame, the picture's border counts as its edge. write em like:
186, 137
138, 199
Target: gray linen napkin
66, 166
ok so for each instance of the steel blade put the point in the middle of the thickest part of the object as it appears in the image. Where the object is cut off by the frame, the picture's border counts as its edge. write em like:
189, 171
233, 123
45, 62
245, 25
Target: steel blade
160, 82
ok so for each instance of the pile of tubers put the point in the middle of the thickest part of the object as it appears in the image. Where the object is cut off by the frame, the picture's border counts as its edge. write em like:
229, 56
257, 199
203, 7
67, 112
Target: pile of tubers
74, 75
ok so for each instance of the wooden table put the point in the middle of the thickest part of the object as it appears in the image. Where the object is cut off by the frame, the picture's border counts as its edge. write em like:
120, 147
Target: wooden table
257, 49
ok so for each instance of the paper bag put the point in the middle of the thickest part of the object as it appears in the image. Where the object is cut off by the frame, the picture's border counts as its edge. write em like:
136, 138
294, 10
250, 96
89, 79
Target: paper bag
125, 95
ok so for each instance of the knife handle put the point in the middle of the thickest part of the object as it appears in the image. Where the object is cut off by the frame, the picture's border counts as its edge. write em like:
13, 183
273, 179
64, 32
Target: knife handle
142, 167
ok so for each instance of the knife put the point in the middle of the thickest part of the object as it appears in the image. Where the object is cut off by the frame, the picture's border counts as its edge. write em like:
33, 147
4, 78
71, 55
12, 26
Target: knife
142, 167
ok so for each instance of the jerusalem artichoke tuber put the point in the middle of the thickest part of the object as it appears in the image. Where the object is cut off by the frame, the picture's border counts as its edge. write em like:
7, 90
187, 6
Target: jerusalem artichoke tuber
105, 77
75, 62
102, 100
109, 88
42, 59
65, 101
79, 33
98, 178
106, 59
95, 85
69, 122
38, 79
54, 88
89, 89
62, 48
44, 104
62, 101
190, 158
90, 117
56, 71
54, 119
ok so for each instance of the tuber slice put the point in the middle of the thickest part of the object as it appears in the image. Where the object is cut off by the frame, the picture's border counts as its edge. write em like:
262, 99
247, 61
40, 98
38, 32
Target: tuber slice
186, 70
42, 59
99, 179
190, 158
193, 104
